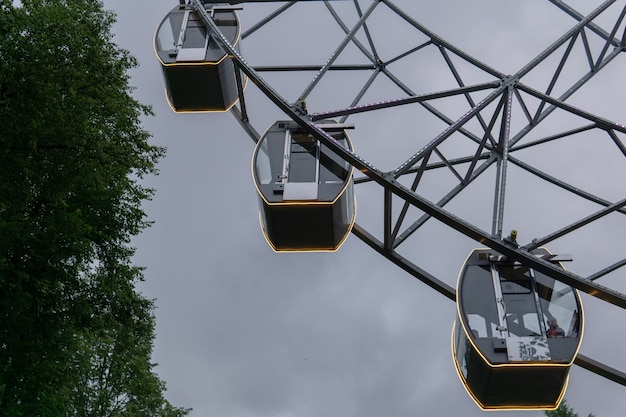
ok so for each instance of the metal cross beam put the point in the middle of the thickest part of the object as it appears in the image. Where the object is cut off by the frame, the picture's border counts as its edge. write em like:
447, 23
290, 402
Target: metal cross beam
495, 144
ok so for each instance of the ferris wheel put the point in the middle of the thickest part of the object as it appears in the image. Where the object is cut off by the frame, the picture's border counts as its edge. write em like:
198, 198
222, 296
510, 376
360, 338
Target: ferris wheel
384, 114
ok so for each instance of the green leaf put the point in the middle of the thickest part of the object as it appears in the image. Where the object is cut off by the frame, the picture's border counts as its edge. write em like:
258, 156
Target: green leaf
75, 335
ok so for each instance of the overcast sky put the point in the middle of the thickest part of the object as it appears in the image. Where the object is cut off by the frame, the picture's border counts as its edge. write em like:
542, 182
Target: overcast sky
245, 332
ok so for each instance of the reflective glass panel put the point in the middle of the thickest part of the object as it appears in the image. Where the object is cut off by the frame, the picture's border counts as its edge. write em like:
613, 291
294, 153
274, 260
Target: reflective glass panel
564, 308
303, 158
560, 307
479, 305
462, 349
262, 164
169, 32
269, 159
195, 34
520, 304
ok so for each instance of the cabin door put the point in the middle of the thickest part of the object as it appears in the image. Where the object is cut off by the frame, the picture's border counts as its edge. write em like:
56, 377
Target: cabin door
193, 39
525, 334
301, 167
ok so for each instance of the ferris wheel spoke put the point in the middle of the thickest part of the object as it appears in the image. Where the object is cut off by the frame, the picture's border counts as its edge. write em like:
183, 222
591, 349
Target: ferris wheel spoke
620, 145
607, 270
562, 184
430, 280
576, 15
349, 37
404, 101
267, 19
576, 225
487, 143
601, 369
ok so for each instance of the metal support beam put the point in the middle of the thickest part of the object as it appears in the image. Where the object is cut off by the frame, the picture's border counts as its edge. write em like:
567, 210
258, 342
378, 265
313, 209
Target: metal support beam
337, 51
392, 187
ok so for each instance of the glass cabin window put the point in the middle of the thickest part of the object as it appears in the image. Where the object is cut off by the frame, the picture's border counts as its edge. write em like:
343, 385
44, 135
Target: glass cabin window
307, 161
262, 166
462, 349
269, 159
521, 307
564, 308
169, 32
303, 158
478, 325
559, 303
479, 305
195, 33
224, 18
195, 39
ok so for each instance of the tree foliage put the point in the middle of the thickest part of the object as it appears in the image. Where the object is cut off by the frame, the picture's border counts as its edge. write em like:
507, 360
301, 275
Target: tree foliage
564, 410
75, 335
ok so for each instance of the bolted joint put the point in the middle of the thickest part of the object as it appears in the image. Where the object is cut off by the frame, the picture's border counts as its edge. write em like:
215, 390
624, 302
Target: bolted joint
300, 106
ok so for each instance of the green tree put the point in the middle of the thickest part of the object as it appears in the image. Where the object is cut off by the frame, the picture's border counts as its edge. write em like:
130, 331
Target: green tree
564, 410
75, 335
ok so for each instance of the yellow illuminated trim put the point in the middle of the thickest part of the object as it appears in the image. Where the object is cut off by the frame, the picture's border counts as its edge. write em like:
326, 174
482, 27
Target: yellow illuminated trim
292, 203
303, 202
299, 202
169, 103
457, 366
515, 364
194, 64
201, 63
499, 408
300, 250
466, 334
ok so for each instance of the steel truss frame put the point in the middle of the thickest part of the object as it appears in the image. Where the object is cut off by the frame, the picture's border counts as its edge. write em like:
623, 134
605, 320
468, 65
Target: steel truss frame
495, 146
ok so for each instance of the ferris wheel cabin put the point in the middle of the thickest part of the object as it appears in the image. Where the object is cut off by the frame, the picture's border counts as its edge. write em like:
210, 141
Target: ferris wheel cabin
306, 195
517, 333
198, 74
